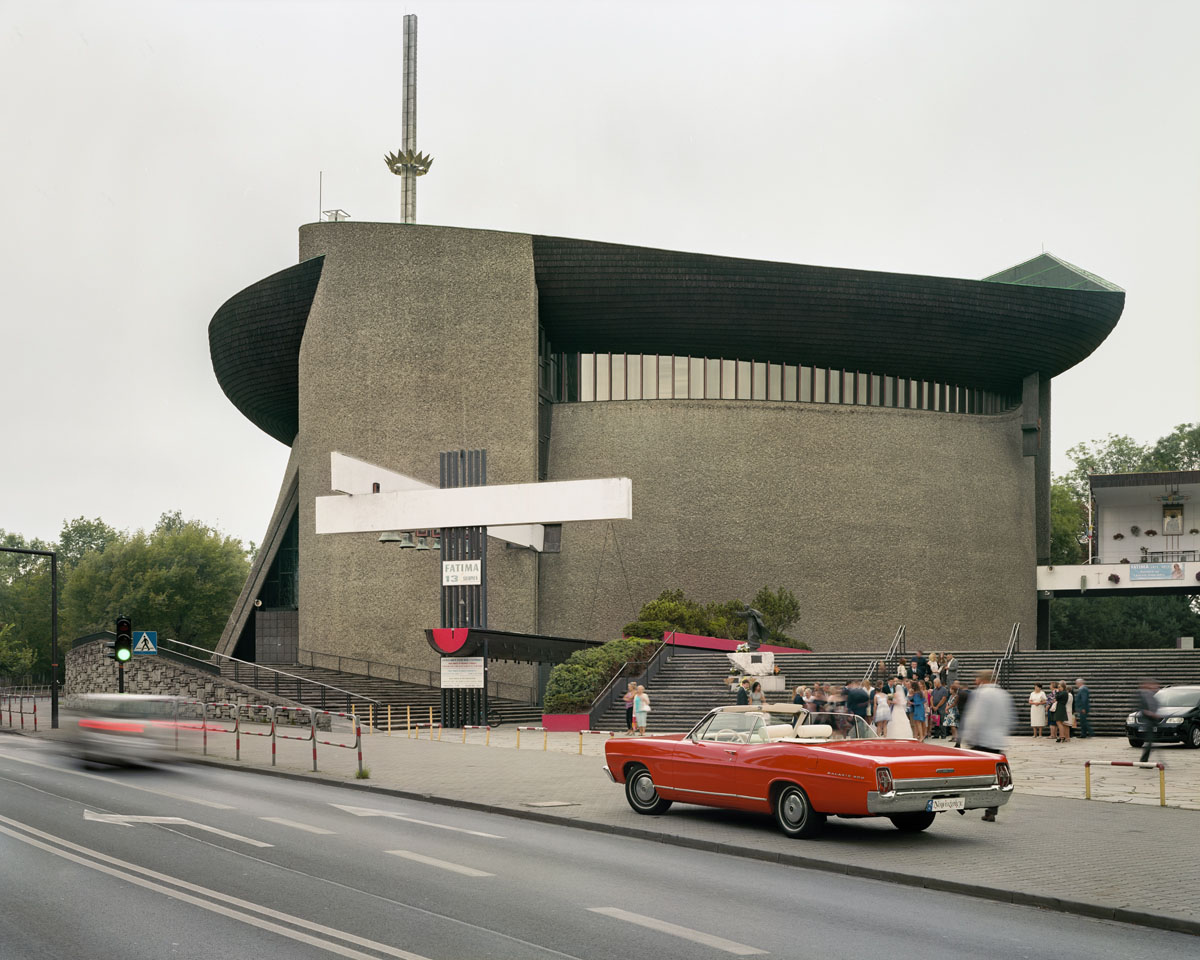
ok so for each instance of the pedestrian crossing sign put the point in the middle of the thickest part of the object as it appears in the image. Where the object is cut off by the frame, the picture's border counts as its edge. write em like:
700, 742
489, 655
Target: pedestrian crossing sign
145, 641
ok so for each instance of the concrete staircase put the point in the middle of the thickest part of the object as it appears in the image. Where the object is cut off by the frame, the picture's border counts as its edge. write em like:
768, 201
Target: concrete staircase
399, 695
1112, 677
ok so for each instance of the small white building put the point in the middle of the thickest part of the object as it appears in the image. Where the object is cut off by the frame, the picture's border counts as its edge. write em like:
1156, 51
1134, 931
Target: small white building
1146, 536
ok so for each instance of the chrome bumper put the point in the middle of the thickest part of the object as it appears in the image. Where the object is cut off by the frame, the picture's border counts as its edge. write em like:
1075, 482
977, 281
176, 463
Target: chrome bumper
915, 801
608, 773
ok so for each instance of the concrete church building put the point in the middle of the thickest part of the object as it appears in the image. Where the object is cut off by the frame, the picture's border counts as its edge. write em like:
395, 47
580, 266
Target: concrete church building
877, 443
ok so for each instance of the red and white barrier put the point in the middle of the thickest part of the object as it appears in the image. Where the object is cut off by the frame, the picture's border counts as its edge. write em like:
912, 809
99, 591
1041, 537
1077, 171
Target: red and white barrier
1143, 764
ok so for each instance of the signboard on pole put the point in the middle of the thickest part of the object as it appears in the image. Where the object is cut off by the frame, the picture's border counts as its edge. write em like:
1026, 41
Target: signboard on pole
462, 672
461, 573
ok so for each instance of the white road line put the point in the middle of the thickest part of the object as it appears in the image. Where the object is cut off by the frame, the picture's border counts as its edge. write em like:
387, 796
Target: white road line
119, 783
137, 875
372, 812
125, 820
696, 936
296, 825
441, 864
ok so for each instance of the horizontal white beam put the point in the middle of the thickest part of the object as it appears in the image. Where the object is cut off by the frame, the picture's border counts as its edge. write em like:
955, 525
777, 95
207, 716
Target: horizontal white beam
559, 501
351, 475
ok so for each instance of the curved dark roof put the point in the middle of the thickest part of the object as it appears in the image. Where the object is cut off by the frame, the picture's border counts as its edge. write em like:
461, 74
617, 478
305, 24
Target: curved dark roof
254, 342
605, 297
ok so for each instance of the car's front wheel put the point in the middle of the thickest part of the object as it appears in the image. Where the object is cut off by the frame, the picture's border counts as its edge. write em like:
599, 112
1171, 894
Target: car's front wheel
1135, 742
1192, 739
795, 814
912, 822
642, 794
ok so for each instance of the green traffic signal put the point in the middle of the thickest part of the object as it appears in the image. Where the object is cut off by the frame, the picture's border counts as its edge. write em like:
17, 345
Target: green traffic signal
123, 646
123, 654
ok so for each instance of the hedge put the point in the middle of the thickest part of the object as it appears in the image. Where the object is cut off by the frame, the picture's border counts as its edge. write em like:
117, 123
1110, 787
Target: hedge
574, 685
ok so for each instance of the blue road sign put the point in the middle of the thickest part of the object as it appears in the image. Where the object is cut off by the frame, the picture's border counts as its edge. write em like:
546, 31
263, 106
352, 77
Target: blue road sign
145, 641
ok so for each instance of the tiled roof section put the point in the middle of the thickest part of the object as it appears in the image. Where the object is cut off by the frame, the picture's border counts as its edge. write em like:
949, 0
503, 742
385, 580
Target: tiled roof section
254, 341
1047, 270
601, 297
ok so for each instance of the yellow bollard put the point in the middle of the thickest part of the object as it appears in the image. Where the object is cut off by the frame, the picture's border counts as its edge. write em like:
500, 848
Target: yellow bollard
440, 728
581, 743
371, 708
408, 727
464, 733
1162, 786
1087, 781
389, 719
518, 738
487, 741
545, 737
431, 717
352, 716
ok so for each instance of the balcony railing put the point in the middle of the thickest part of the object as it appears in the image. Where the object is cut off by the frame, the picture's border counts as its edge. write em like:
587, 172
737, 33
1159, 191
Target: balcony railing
1151, 556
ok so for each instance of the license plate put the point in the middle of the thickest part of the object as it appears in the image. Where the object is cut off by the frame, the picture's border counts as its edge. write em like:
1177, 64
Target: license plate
939, 804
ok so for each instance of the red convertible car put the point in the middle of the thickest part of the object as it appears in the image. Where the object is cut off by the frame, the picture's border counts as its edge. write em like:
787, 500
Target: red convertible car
804, 767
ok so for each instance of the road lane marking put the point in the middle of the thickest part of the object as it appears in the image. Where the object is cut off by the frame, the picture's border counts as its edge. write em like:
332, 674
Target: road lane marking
119, 783
297, 825
442, 864
686, 933
100, 863
125, 820
372, 812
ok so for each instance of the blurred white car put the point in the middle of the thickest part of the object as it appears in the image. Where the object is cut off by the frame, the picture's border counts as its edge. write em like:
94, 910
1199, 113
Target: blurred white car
123, 728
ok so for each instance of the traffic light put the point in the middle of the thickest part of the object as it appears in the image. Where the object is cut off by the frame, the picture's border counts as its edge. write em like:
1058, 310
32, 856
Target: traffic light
123, 645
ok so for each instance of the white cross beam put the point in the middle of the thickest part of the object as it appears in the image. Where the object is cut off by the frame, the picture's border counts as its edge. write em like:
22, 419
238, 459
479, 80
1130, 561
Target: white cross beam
513, 512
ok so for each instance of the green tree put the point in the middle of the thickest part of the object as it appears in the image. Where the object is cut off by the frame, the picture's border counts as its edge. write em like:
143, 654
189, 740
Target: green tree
1068, 526
181, 580
16, 658
1116, 623
780, 610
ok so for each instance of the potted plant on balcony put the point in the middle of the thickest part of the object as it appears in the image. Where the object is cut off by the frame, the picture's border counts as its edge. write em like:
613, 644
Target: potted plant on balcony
1118, 536
1135, 530
1152, 533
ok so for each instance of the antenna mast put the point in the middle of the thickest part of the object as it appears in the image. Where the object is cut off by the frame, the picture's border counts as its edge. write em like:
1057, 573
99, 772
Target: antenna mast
407, 163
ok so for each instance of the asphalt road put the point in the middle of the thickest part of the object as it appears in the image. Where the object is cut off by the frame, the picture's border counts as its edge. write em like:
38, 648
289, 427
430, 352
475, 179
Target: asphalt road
246, 866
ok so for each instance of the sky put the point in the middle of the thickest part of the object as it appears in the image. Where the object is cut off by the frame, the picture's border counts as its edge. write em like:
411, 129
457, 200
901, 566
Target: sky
158, 157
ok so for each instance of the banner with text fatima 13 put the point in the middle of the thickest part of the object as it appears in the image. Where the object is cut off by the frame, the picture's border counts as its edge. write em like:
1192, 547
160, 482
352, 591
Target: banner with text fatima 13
1156, 571
462, 672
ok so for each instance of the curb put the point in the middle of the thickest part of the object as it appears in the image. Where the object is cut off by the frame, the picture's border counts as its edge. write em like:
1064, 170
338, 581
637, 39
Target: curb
996, 894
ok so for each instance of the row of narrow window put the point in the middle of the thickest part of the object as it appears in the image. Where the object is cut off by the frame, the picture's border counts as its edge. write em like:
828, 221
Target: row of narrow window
592, 377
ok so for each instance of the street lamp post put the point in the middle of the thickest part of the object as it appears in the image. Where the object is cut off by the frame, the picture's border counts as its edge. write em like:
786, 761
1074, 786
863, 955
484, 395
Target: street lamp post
53, 624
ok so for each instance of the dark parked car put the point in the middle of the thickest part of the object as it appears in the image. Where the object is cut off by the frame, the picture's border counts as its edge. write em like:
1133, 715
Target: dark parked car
1178, 718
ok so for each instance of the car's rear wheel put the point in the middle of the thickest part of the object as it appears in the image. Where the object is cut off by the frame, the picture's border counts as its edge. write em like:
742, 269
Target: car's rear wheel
1193, 737
642, 794
795, 814
912, 822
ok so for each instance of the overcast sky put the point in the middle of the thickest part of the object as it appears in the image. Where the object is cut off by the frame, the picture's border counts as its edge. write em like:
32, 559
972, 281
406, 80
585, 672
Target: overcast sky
158, 157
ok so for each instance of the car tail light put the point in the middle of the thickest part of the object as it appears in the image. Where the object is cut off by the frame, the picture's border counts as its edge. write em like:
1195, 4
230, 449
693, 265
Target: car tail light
883, 779
1003, 776
112, 726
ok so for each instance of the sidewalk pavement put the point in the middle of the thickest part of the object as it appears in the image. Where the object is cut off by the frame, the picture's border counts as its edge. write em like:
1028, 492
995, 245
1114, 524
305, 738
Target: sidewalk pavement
1127, 860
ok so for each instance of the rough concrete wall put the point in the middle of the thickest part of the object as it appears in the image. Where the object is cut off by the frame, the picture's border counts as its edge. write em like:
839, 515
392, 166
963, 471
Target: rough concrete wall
873, 517
420, 339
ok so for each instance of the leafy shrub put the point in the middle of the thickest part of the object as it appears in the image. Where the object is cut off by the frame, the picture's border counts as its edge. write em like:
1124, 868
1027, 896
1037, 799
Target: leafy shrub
672, 610
647, 629
574, 685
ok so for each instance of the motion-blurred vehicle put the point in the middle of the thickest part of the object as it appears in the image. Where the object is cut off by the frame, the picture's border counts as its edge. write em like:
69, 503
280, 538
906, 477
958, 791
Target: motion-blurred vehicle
1178, 718
804, 767
121, 728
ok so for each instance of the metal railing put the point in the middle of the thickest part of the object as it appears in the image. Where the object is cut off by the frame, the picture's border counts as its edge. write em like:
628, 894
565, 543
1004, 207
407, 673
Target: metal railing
893, 654
375, 670
253, 674
1002, 669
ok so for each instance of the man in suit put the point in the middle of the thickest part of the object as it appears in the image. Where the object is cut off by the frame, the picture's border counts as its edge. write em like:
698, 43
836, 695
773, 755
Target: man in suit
856, 699
951, 670
1083, 707
921, 666
743, 694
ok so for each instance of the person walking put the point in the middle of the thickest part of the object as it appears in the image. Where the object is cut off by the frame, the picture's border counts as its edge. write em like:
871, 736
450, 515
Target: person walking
856, 699
630, 693
1037, 710
988, 719
641, 710
1148, 711
1083, 707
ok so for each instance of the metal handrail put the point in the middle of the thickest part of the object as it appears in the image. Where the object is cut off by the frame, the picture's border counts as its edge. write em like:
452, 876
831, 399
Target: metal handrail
893, 653
651, 667
272, 670
1003, 666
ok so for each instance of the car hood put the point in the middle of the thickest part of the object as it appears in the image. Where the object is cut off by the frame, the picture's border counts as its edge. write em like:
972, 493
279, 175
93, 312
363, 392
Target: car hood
1174, 711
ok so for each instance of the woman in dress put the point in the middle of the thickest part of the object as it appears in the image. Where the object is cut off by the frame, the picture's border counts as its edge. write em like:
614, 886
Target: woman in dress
898, 727
950, 712
1059, 717
882, 712
1065, 693
920, 708
1037, 710
756, 695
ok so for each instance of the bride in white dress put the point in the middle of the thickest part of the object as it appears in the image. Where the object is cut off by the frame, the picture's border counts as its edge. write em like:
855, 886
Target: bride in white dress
898, 727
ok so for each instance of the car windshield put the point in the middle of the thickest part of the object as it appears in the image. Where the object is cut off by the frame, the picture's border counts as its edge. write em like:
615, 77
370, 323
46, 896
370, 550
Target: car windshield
1178, 697
846, 726
734, 728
